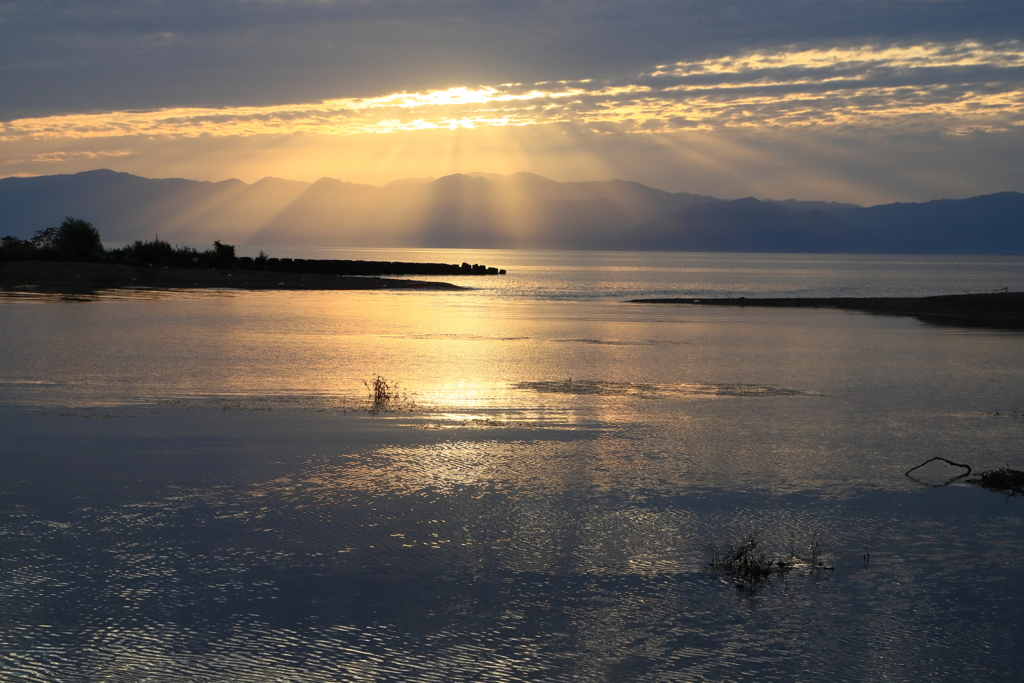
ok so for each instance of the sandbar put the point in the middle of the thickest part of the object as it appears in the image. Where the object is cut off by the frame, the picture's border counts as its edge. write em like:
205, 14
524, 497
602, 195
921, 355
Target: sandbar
1003, 310
83, 277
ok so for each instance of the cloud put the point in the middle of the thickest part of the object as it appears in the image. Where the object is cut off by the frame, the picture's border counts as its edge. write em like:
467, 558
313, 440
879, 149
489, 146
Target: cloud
104, 55
62, 157
949, 88
691, 95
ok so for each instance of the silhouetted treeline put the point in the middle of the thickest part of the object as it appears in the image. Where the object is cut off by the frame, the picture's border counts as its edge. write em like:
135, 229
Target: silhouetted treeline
157, 252
78, 240
73, 240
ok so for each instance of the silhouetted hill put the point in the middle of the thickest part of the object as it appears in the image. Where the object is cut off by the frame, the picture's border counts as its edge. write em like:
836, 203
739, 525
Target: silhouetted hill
754, 226
798, 205
491, 210
125, 206
989, 224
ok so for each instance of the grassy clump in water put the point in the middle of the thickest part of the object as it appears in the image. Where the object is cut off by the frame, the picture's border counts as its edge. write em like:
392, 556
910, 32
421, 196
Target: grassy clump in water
1003, 480
749, 568
386, 396
745, 563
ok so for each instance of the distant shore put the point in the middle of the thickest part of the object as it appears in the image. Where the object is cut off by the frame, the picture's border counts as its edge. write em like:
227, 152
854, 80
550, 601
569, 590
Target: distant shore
1000, 309
79, 277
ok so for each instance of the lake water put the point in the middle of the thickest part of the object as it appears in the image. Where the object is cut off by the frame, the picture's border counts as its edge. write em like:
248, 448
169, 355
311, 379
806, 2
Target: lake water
191, 487
575, 275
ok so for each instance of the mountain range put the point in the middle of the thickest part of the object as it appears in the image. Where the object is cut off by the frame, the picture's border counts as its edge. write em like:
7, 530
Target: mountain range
483, 210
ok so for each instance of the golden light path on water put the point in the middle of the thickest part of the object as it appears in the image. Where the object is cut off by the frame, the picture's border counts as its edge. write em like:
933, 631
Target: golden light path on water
459, 362
197, 486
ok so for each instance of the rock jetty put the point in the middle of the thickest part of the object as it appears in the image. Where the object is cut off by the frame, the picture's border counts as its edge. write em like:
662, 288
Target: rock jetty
378, 268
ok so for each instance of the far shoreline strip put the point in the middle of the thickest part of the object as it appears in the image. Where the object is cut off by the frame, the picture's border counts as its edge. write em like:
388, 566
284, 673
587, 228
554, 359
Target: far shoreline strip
1004, 310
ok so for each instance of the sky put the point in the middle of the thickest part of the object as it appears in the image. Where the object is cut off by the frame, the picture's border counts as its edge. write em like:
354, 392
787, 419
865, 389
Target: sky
866, 101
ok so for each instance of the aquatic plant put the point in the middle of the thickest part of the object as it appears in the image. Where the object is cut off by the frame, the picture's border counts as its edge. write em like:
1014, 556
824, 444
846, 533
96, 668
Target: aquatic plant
750, 569
386, 396
1004, 480
745, 563
813, 562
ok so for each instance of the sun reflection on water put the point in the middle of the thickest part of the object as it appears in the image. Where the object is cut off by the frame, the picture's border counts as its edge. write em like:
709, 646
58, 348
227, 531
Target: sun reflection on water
534, 506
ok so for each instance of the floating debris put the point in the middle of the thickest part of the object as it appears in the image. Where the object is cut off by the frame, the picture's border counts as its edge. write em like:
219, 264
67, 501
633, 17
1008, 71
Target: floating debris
1004, 480
950, 462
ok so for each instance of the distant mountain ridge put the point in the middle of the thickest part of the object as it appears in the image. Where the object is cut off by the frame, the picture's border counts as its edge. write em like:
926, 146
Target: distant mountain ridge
481, 210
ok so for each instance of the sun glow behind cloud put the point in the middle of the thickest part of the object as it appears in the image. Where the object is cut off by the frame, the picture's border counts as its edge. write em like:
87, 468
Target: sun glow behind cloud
949, 88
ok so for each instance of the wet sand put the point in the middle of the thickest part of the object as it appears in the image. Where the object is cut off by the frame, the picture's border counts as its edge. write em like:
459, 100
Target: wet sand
85, 277
1003, 310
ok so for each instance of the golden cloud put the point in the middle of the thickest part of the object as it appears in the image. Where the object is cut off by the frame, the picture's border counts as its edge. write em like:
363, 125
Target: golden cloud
947, 87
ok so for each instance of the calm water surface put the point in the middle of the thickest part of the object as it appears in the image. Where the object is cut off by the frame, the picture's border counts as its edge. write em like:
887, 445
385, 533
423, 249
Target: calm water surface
574, 275
191, 488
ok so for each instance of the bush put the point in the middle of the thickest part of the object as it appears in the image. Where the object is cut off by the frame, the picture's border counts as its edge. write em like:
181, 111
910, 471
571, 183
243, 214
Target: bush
14, 249
159, 252
155, 251
223, 254
76, 239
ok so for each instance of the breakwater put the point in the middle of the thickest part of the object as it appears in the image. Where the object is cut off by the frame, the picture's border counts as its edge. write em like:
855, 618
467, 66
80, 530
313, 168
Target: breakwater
343, 267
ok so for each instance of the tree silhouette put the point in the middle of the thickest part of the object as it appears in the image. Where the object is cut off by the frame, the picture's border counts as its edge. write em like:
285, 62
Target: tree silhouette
75, 239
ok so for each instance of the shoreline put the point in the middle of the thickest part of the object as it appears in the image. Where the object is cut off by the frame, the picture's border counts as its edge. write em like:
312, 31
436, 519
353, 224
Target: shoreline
1003, 310
52, 276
